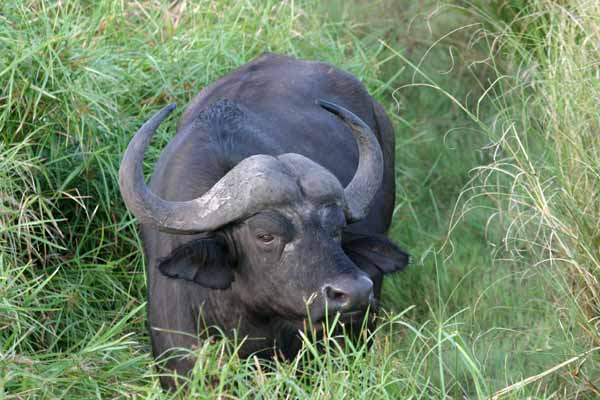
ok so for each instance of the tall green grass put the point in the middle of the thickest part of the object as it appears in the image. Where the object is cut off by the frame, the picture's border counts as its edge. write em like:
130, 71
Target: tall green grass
544, 173
497, 193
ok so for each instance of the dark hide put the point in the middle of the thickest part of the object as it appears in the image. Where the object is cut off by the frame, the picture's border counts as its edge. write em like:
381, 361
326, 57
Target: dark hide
238, 278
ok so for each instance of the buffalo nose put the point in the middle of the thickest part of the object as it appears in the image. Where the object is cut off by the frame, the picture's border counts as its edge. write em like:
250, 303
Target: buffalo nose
348, 294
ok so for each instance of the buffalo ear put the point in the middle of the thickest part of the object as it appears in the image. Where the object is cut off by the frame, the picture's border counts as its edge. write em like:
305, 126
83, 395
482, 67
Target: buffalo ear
203, 261
376, 250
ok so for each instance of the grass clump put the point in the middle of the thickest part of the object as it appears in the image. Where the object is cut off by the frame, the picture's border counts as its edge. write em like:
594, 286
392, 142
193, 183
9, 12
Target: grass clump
543, 174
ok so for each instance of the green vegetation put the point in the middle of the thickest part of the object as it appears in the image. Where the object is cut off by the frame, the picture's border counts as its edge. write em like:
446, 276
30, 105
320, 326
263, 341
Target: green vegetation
495, 105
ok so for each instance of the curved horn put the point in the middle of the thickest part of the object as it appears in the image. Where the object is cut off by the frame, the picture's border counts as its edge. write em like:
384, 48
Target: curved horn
367, 179
253, 183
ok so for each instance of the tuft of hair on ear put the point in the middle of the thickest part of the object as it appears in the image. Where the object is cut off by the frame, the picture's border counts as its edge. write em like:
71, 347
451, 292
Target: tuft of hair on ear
377, 250
204, 261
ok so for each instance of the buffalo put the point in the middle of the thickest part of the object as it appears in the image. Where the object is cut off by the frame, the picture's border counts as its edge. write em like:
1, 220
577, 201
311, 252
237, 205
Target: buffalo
267, 210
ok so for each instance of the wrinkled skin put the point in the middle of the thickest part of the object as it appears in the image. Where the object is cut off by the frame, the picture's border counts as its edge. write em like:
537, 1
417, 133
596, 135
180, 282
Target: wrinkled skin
268, 274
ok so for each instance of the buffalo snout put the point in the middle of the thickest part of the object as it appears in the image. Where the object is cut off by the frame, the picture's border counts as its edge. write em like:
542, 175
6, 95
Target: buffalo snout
348, 294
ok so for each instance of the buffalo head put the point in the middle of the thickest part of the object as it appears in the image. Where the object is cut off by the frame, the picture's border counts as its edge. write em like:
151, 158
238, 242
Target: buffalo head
271, 228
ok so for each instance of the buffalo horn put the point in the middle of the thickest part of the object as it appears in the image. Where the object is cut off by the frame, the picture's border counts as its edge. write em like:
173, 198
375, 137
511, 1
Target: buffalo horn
367, 179
256, 182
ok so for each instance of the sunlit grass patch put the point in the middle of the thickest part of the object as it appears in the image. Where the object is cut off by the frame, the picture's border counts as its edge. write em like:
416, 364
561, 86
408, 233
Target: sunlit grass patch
542, 176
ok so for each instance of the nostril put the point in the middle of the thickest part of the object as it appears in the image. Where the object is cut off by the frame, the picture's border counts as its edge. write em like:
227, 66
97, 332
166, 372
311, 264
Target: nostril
349, 294
336, 295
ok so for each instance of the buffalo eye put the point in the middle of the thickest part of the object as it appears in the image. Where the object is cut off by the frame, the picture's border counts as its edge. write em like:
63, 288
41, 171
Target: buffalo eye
266, 238
269, 228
